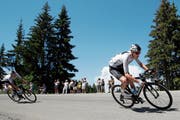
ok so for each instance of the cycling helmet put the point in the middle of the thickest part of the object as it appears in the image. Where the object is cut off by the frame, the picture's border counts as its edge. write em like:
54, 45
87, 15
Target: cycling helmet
135, 48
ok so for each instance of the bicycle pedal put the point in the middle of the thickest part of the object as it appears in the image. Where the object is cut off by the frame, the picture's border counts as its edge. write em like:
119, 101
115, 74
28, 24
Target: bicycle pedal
141, 100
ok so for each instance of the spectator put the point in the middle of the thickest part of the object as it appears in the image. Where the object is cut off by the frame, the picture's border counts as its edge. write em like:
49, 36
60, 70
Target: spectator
44, 89
102, 85
110, 83
56, 86
79, 87
66, 87
31, 86
84, 85
98, 85
75, 86
71, 85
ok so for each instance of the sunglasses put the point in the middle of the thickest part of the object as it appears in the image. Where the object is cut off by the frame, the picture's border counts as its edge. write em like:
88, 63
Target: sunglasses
137, 53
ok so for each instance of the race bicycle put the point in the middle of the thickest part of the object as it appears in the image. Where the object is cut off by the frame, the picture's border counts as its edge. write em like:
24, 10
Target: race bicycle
153, 90
23, 93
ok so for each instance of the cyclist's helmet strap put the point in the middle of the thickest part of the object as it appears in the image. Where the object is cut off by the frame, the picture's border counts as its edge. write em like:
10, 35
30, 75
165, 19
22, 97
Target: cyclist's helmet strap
135, 48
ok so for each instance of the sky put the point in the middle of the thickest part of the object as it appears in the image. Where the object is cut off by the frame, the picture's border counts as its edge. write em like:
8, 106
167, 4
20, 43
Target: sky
101, 28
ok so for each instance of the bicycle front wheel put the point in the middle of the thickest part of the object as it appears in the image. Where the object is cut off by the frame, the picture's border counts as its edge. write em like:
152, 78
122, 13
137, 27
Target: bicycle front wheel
125, 102
30, 95
158, 95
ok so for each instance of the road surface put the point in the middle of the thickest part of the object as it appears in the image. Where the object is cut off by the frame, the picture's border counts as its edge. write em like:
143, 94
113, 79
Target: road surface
98, 106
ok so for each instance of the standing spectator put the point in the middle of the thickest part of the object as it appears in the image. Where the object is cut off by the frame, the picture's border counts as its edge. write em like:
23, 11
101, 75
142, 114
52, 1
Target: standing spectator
44, 89
66, 87
98, 85
102, 85
84, 85
31, 86
71, 85
110, 83
56, 86
79, 87
75, 86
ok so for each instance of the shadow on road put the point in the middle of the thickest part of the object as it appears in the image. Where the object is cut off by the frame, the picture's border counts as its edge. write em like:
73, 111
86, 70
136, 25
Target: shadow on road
152, 110
27, 102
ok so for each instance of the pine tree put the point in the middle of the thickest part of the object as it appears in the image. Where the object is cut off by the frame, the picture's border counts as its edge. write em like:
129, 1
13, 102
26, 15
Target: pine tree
40, 36
2, 61
175, 68
162, 48
64, 48
18, 49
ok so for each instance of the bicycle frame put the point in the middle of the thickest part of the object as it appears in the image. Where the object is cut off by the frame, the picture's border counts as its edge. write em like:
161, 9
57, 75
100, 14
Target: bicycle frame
146, 84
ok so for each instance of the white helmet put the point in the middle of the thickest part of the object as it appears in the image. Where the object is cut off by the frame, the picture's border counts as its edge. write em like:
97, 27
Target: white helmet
135, 48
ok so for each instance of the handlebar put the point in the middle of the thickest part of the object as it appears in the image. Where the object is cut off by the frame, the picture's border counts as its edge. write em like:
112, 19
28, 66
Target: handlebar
146, 74
149, 71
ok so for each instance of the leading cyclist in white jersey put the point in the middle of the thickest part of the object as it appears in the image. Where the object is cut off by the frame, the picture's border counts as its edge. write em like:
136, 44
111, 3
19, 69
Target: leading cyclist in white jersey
118, 67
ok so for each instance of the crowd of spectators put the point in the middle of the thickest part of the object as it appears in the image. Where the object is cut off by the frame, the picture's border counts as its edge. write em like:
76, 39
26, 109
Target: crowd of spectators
74, 86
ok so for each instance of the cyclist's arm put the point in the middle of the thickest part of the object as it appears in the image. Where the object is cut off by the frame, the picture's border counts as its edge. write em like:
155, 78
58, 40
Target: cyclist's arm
141, 64
126, 70
125, 64
130, 77
19, 77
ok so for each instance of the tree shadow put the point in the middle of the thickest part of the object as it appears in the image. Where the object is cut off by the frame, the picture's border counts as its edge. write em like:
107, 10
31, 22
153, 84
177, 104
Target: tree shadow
152, 110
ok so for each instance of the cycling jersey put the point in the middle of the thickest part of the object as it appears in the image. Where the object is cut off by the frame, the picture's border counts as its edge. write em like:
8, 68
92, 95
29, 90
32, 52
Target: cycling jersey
10, 78
122, 60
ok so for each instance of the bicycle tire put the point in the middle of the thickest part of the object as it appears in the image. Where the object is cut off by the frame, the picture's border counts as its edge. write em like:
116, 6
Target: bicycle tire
13, 95
116, 93
29, 95
158, 95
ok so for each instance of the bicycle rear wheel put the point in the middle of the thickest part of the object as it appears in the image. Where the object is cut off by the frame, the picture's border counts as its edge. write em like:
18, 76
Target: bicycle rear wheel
158, 96
125, 102
13, 95
30, 95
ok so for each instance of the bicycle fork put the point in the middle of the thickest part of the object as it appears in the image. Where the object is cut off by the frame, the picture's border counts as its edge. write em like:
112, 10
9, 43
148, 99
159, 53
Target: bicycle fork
152, 91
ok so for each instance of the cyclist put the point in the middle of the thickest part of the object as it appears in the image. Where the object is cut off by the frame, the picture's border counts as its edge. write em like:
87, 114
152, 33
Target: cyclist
118, 67
9, 78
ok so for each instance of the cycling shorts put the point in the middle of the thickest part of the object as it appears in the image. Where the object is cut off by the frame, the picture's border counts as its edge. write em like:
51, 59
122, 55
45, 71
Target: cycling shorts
116, 72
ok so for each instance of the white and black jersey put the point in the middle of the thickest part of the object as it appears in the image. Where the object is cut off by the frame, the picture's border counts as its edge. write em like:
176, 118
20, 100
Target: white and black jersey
122, 60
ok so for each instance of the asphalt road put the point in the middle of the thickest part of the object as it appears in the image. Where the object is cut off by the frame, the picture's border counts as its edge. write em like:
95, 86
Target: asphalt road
84, 107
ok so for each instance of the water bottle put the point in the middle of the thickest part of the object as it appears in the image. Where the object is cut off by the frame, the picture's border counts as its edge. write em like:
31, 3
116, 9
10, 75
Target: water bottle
135, 90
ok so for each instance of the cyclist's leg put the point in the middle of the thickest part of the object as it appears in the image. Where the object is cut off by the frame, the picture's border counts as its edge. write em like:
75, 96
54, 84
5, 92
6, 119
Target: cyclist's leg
124, 83
131, 84
16, 88
119, 75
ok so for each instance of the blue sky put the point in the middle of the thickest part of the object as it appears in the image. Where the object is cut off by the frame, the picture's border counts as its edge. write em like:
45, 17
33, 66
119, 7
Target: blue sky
101, 28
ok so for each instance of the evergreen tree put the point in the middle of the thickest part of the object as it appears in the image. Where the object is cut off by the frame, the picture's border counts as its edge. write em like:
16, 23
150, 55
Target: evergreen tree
64, 48
2, 55
175, 68
37, 47
18, 49
163, 48
2, 61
